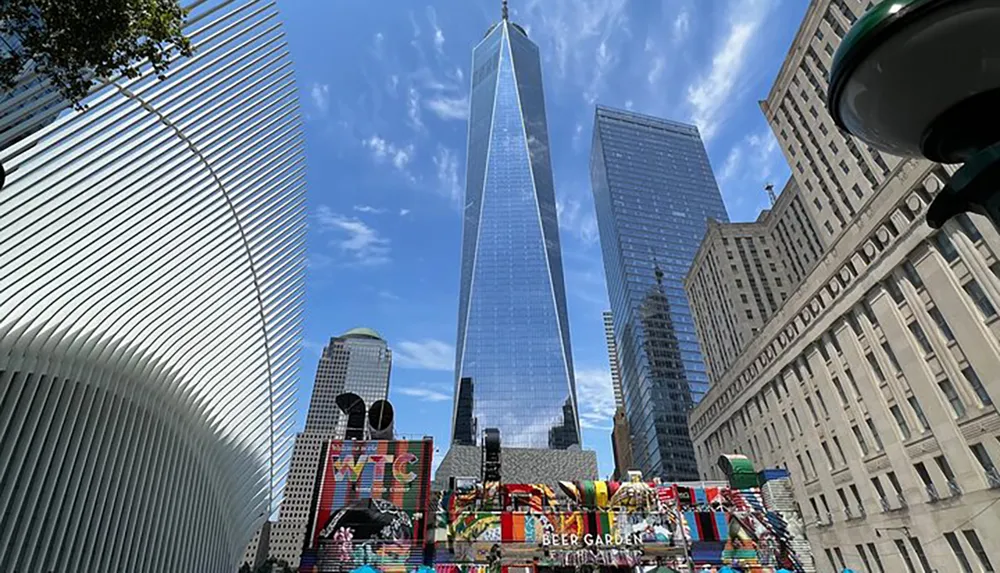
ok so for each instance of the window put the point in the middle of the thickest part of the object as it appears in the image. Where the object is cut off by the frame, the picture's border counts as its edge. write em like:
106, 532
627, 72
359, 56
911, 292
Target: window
921, 556
942, 324
956, 548
812, 465
829, 456
945, 467
977, 547
864, 558
893, 289
983, 457
857, 497
805, 474
840, 557
853, 321
957, 406
905, 555
979, 297
860, 439
878, 488
968, 227
892, 358
840, 391
829, 556
878, 440
743, 298
922, 472
918, 333
829, 227
822, 404
875, 556
812, 410
840, 450
812, 501
854, 383
918, 412
791, 435
749, 313
876, 369
977, 386
944, 246
911, 275
904, 429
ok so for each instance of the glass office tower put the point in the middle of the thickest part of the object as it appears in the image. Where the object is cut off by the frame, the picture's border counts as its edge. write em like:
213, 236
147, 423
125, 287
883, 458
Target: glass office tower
653, 191
513, 337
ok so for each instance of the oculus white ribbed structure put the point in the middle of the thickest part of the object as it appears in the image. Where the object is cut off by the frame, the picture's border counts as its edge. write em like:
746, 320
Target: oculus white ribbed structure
151, 261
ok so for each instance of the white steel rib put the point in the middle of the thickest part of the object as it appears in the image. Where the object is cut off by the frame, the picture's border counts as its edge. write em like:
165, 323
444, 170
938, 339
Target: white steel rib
151, 276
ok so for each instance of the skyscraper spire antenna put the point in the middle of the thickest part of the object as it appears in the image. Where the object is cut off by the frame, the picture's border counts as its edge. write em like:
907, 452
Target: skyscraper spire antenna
503, 10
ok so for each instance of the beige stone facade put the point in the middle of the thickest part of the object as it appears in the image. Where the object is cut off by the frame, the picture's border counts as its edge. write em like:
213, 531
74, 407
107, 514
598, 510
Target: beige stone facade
874, 382
743, 272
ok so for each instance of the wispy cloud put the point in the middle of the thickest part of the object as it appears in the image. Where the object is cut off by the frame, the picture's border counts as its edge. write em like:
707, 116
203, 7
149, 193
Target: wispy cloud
449, 108
577, 220
404, 212
754, 161
368, 209
446, 163
383, 150
361, 244
428, 354
709, 96
320, 94
595, 398
424, 394
438, 34
413, 109
682, 25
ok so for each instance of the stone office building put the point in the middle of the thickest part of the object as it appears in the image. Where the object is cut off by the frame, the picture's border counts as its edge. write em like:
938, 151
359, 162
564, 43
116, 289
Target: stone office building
873, 383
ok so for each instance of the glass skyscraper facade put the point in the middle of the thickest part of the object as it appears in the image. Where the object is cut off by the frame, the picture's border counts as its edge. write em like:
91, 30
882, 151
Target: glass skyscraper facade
513, 343
653, 192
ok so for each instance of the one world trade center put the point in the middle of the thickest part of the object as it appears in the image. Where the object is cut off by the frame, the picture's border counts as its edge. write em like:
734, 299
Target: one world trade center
513, 365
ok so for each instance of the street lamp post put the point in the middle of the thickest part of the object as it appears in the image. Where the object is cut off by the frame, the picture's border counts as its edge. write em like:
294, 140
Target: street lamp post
921, 78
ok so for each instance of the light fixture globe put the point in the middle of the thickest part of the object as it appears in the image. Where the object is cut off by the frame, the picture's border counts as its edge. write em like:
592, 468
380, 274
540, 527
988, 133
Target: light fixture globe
921, 78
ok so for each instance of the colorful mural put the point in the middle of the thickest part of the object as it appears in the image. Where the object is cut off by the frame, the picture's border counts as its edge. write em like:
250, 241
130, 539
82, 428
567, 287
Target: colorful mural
615, 524
370, 506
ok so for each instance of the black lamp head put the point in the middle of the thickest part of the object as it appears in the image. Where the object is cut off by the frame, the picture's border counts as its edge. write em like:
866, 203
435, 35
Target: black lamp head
921, 78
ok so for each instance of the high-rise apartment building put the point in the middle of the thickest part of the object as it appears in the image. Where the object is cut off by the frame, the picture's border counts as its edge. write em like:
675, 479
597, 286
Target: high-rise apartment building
621, 435
151, 270
357, 361
609, 338
742, 274
653, 191
872, 382
513, 336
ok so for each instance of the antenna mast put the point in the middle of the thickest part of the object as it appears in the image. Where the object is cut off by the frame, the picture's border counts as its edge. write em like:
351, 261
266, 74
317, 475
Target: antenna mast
770, 193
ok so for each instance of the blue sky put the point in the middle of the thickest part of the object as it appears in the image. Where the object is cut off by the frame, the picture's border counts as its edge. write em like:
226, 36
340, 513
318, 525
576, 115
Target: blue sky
383, 91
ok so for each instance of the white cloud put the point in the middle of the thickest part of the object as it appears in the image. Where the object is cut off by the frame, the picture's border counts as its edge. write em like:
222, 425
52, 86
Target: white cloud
368, 209
446, 162
384, 150
378, 43
413, 109
320, 94
682, 25
595, 398
449, 108
438, 34
604, 61
732, 163
656, 70
710, 96
580, 222
357, 241
629, 104
428, 354
424, 394
404, 212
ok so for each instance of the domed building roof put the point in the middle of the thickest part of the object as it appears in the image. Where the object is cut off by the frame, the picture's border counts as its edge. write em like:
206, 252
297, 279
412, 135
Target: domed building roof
362, 332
